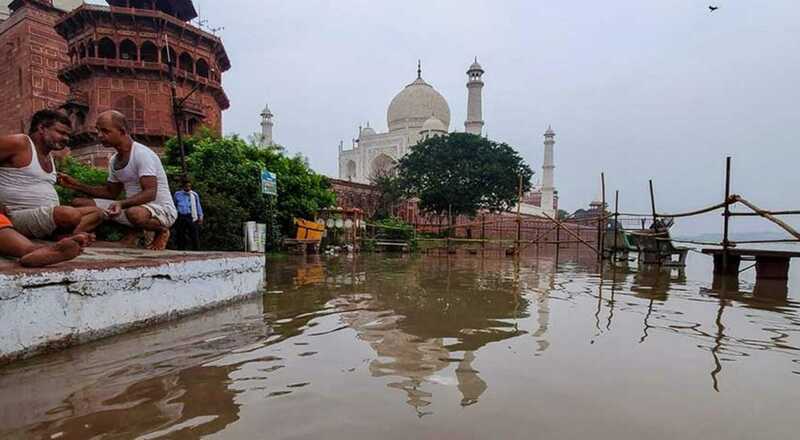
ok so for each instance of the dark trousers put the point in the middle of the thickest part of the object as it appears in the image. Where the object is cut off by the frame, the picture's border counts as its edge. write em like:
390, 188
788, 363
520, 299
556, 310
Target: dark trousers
185, 226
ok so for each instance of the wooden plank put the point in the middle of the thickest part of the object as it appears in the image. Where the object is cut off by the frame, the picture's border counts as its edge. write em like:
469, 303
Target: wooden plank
753, 252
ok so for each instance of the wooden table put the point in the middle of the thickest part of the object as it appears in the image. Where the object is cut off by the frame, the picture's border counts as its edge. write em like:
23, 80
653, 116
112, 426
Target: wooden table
769, 264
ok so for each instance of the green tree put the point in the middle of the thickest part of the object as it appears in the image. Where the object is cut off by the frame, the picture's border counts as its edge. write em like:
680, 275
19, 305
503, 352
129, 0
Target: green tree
225, 172
463, 173
390, 193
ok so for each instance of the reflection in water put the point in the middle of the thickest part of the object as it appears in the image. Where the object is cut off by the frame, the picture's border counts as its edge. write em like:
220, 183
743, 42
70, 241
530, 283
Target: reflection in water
452, 338
410, 327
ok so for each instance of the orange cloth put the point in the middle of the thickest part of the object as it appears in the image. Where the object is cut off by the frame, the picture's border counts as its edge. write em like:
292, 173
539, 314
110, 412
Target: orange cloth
5, 222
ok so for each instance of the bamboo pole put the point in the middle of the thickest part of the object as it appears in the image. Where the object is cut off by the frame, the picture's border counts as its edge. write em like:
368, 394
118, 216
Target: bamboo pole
653, 202
602, 244
768, 216
599, 228
761, 214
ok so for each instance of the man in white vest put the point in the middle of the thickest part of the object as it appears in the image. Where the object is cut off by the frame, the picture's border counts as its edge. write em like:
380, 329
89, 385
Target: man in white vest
27, 179
136, 170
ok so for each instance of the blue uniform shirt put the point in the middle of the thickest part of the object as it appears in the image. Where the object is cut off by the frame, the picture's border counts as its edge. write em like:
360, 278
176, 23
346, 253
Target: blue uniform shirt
184, 204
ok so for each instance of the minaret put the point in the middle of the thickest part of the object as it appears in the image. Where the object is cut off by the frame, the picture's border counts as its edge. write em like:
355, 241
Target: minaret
548, 188
474, 123
266, 127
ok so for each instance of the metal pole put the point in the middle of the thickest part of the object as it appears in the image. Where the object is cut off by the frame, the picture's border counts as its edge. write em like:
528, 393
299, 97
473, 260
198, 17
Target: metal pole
726, 215
616, 225
519, 219
176, 107
655, 222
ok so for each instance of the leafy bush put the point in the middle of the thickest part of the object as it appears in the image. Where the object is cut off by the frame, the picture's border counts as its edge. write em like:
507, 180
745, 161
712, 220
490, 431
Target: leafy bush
393, 228
84, 173
225, 172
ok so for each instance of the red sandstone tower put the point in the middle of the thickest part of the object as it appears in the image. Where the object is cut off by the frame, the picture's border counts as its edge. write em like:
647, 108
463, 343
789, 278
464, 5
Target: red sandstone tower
31, 53
118, 60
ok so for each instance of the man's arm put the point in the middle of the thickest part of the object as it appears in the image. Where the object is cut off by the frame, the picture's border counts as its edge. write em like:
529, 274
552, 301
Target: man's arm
111, 190
199, 208
10, 146
149, 186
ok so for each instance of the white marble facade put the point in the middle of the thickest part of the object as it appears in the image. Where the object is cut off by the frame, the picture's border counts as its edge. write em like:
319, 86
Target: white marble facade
417, 112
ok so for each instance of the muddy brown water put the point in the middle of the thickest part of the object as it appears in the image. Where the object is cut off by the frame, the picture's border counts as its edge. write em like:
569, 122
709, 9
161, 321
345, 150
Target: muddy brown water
439, 347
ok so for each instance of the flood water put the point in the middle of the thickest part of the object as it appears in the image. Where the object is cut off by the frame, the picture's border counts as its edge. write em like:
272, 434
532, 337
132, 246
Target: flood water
439, 347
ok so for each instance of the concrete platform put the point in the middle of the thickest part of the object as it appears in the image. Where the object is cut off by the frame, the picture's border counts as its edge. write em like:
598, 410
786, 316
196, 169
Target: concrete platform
108, 291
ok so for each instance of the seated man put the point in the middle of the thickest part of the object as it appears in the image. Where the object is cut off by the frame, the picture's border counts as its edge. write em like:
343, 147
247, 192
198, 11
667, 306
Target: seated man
137, 170
14, 244
28, 176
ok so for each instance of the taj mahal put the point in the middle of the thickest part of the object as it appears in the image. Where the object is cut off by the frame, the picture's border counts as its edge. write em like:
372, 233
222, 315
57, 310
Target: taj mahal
417, 112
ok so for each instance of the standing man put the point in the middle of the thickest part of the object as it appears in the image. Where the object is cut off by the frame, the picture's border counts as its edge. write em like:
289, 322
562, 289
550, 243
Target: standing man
190, 216
28, 176
137, 170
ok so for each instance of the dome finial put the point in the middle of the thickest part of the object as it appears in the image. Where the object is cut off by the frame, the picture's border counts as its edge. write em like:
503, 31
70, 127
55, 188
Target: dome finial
419, 69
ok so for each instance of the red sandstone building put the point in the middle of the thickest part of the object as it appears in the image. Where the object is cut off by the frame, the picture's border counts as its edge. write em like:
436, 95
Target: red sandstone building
95, 58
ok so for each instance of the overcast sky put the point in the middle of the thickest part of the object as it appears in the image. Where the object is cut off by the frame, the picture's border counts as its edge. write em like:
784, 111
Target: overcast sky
659, 89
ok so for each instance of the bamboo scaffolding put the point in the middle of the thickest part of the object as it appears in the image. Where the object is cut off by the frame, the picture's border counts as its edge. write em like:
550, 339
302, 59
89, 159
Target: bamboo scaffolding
577, 237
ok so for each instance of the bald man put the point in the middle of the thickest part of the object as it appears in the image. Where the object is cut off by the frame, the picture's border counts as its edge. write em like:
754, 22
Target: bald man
136, 170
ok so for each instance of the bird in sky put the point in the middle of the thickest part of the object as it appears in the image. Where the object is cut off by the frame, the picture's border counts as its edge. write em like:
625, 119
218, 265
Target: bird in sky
713, 8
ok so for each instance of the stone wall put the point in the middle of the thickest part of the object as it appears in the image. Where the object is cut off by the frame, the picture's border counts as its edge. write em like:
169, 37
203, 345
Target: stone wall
109, 291
487, 225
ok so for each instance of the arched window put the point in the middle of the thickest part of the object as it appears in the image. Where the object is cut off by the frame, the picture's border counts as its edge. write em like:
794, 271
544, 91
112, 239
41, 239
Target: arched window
128, 50
149, 52
202, 68
191, 125
350, 170
90, 50
82, 51
168, 59
185, 62
106, 48
383, 165
133, 110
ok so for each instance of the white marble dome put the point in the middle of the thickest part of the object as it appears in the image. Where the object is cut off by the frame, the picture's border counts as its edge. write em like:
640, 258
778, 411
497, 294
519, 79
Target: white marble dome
434, 125
416, 103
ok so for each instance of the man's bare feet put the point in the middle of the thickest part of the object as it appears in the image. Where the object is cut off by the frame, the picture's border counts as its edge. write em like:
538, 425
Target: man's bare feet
160, 241
64, 250
131, 239
84, 239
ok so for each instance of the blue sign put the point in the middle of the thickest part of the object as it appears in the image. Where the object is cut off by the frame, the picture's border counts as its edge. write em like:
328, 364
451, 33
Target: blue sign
269, 183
